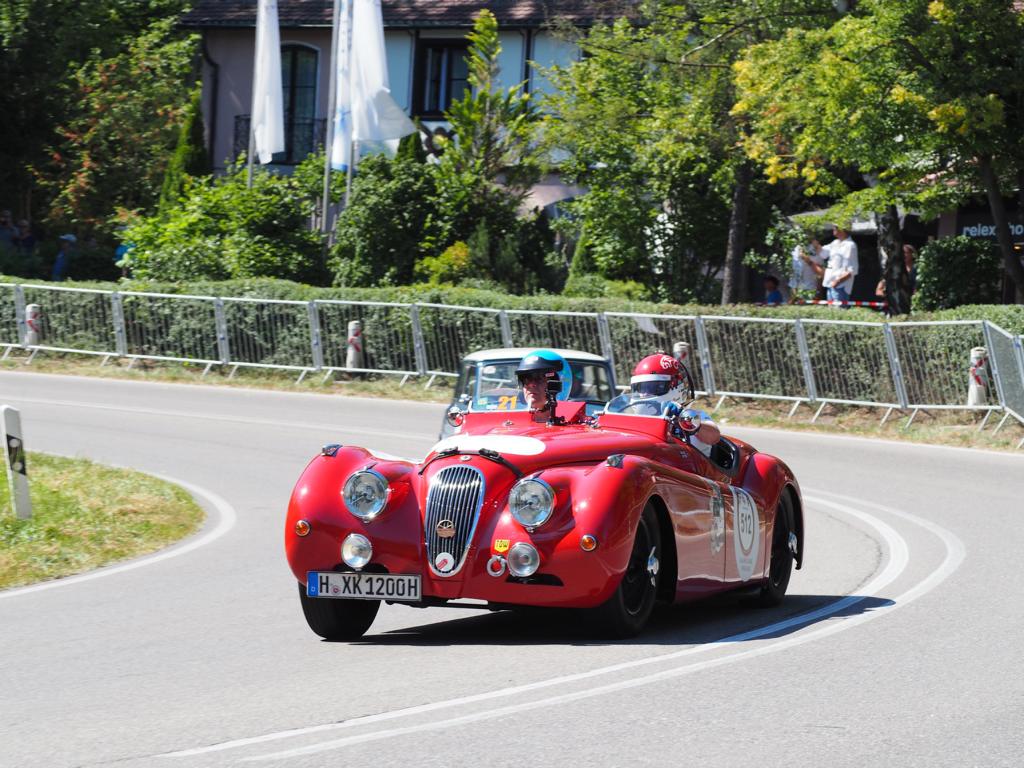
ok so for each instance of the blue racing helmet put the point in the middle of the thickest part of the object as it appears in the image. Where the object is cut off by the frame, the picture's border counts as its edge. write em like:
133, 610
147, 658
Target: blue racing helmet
551, 364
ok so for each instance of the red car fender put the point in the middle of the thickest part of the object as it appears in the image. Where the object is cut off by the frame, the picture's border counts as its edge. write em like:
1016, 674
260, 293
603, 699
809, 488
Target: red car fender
766, 478
317, 499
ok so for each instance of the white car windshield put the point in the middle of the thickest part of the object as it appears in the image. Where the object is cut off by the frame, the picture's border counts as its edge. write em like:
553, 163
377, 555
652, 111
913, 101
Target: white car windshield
492, 386
633, 404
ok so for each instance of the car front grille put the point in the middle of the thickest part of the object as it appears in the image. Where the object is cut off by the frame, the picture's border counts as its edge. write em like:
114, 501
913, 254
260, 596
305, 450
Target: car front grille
454, 499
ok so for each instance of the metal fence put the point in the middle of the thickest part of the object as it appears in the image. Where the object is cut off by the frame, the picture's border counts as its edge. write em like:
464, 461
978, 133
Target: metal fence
910, 366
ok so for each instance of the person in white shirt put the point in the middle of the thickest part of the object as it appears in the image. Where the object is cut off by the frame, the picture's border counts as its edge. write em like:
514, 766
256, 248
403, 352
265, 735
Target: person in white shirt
842, 266
808, 266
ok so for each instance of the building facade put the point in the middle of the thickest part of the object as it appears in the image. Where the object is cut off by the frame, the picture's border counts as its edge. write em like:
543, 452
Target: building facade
425, 42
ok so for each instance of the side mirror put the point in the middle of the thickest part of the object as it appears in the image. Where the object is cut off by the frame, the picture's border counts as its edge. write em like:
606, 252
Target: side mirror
689, 421
455, 416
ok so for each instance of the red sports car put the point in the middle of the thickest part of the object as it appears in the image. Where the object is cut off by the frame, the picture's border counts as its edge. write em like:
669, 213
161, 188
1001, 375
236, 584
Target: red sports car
611, 514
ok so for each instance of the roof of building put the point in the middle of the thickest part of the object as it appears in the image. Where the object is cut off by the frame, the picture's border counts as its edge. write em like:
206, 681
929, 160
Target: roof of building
410, 13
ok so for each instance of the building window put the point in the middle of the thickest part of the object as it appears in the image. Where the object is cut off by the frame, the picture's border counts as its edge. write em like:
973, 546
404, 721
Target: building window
298, 85
441, 76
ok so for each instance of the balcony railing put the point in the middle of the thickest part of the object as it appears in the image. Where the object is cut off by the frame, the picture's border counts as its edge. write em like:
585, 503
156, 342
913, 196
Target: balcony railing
302, 137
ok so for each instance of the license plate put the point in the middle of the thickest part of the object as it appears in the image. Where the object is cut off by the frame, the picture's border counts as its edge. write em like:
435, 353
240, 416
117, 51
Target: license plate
364, 586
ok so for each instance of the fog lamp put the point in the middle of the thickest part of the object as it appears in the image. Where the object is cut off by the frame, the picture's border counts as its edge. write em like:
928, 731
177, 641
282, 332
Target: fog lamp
523, 560
356, 551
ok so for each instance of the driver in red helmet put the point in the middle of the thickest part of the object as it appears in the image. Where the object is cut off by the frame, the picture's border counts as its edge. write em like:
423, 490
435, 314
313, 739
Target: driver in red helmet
661, 379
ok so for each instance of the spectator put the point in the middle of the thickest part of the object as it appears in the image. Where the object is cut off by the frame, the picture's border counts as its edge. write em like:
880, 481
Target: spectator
60, 266
843, 266
909, 255
808, 267
24, 240
772, 294
7, 230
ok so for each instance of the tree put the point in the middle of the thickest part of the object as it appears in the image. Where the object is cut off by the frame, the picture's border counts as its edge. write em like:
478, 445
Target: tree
490, 160
44, 43
190, 157
647, 119
918, 102
114, 145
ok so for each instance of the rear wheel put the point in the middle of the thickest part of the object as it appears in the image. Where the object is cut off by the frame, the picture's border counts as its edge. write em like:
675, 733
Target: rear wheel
335, 619
626, 612
781, 566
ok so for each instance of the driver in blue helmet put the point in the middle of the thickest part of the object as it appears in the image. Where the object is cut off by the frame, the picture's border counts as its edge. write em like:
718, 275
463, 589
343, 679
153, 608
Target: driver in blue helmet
540, 374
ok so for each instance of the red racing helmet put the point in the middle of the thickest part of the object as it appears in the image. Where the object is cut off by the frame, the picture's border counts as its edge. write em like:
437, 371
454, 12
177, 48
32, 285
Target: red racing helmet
659, 377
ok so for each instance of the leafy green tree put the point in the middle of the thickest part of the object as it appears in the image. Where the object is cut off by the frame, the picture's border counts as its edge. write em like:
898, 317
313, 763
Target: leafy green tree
190, 157
44, 43
115, 144
648, 122
489, 161
916, 103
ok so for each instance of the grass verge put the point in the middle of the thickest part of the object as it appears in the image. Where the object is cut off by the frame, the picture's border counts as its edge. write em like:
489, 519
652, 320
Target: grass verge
85, 515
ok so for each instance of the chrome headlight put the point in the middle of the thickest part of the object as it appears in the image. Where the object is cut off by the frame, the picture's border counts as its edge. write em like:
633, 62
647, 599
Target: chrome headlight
523, 560
531, 502
365, 494
356, 550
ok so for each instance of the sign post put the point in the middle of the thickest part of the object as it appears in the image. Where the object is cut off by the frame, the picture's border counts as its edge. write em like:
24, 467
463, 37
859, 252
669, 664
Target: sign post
14, 451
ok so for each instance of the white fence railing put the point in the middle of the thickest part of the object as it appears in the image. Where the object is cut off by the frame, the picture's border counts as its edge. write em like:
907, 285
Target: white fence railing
910, 366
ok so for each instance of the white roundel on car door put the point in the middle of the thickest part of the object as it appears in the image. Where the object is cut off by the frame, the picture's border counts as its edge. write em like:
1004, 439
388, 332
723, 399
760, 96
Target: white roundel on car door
746, 529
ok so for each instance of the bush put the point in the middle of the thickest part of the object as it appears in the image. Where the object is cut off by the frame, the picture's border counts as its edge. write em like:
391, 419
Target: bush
220, 229
958, 270
450, 267
380, 235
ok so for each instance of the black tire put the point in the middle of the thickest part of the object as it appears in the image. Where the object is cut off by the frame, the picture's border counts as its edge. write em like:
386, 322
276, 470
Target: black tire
626, 612
336, 619
780, 567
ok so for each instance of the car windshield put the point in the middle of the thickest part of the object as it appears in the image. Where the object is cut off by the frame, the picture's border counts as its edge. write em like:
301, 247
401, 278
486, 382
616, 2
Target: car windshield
492, 386
634, 404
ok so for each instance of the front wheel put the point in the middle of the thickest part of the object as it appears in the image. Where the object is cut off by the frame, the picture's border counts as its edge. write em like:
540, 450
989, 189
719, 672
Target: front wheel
781, 566
626, 612
337, 619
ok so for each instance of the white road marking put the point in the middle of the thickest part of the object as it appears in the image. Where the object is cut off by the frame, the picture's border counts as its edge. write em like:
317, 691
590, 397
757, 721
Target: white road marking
896, 562
321, 427
226, 518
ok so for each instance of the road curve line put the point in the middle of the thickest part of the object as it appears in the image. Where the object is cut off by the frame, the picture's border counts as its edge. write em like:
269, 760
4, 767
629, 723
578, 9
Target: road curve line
348, 430
896, 562
226, 517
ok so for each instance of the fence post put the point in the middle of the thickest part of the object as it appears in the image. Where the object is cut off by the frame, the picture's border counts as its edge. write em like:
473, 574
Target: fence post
993, 360
705, 356
805, 360
117, 312
419, 348
895, 366
221, 324
506, 329
314, 335
19, 314
604, 332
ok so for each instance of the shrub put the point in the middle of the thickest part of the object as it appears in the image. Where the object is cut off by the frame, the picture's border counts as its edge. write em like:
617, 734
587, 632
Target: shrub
957, 270
220, 228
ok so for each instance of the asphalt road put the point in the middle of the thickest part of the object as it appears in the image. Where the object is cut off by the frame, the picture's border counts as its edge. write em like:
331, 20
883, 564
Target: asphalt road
898, 645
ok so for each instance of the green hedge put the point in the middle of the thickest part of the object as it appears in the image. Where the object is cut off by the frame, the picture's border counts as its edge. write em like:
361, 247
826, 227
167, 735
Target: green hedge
1009, 317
